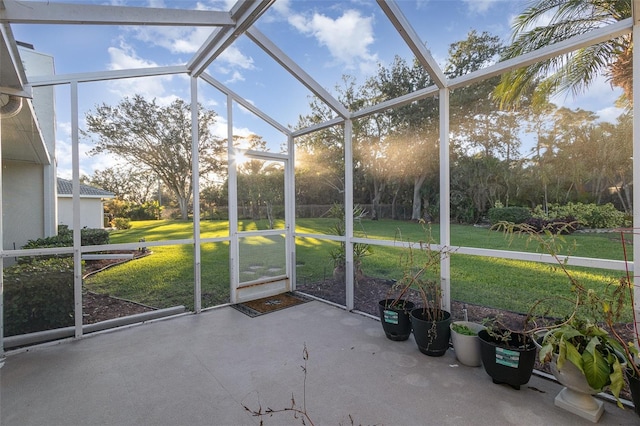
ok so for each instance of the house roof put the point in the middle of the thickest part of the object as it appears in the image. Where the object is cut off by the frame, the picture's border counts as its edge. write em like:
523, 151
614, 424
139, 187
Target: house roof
65, 189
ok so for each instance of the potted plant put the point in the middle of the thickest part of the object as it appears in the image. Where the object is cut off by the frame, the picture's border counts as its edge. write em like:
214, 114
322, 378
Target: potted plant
584, 356
465, 342
508, 356
633, 377
395, 313
622, 294
430, 322
395, 318
586, 359
625, 291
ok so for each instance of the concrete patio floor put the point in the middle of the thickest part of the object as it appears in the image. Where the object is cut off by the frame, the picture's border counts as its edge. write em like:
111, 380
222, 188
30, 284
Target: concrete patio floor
201, 370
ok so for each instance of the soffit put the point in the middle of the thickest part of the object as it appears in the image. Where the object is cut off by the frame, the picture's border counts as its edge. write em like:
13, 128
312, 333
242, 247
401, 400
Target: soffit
21, 136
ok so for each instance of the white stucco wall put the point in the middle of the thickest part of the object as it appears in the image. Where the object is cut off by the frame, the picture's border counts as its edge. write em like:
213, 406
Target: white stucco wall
91, 212
22, 203
38, 63
29, 187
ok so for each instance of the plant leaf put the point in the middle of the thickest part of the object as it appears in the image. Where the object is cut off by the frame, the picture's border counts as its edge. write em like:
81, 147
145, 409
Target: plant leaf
617, 380
546, 353
562, 354
572, 354
596, 369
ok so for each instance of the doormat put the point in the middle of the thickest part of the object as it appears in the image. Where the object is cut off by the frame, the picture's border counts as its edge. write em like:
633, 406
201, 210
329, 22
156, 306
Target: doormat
265, 305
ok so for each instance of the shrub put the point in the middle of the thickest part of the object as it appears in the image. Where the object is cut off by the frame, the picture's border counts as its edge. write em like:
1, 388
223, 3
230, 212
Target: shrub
588, 215
565, 225
508, 214
38, 296
63, 239
604, 216
150, 210
121, 223
88, 237
94, 236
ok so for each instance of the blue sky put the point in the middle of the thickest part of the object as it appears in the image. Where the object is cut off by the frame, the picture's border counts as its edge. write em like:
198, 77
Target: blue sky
327, 39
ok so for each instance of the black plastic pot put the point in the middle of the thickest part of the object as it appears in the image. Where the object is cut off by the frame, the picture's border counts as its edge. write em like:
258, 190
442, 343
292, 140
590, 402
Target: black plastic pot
511, 363
431, 337
395, 319
634, 387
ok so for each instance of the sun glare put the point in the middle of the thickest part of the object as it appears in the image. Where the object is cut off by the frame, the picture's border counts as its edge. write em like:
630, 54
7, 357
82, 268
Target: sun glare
239, 157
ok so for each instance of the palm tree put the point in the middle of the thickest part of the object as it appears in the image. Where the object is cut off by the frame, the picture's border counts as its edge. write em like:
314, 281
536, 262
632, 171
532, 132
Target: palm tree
574, 71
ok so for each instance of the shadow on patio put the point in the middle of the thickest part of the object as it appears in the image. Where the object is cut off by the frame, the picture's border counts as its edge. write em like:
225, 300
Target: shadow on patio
201, 369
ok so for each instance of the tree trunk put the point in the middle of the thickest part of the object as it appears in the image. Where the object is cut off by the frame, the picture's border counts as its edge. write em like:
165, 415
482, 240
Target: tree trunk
417, 200
378, 188
394, 212
624, 196
427, 217
269, 207
183, 203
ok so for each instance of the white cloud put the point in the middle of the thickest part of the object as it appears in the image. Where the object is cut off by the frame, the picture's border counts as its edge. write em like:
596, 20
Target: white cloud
282, 7
480, 6
179, 40
188, 41
235, 77
208, 103
219, 129
234, 57
174, 39
88, 164
124, 57
610, 114
600, 98
347, 37
156, 3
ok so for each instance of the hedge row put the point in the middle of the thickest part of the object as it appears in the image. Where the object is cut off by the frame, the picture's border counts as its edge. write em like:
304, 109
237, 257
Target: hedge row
590, 216
38, 296
88, 237
38, 291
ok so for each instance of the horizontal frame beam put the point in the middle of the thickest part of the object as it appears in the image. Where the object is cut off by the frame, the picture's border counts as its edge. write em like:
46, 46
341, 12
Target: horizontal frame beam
105, 75
28, 12
566, 46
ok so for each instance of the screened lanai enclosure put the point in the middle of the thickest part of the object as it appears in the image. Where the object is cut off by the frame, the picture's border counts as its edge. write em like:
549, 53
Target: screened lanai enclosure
303, 146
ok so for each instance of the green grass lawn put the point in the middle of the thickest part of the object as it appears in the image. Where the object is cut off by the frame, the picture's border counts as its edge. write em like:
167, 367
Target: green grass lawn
166, 277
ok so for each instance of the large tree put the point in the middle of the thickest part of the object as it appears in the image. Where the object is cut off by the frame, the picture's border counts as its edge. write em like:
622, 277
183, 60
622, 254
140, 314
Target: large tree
127, 182
550, 21
476, 123
320, 155
159, 138
413, 128
260, 184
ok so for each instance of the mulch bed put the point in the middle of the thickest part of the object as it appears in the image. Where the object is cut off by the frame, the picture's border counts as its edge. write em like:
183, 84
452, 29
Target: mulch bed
369, 291
101, 307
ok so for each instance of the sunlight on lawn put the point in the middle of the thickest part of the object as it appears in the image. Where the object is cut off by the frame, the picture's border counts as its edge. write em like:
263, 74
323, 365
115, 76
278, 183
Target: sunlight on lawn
166, 277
